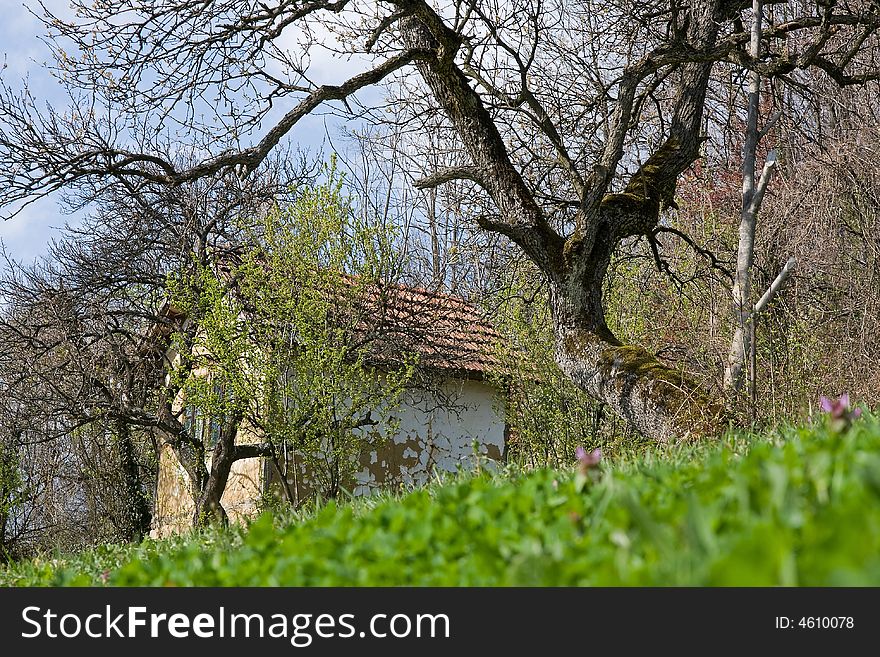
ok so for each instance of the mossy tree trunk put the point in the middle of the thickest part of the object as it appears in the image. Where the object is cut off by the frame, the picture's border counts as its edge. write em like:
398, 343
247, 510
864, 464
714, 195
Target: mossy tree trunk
661, 402
138, 518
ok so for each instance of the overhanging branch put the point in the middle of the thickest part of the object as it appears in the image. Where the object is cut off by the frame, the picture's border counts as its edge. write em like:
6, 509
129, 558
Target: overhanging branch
250, 158
47, 153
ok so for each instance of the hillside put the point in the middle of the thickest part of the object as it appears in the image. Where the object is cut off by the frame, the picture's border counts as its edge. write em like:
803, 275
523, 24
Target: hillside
801, 507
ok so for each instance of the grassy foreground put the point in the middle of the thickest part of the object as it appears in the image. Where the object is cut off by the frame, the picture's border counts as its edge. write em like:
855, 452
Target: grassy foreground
797, 508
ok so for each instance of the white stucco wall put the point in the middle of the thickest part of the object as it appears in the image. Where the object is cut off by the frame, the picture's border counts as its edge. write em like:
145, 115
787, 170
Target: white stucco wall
442, 431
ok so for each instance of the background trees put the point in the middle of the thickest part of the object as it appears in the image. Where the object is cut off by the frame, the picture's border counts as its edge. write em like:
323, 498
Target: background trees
573, 122
565, 151
83, 338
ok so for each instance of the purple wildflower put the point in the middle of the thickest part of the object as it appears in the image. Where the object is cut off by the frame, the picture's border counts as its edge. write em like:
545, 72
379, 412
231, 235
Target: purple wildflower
587, 460
840, 416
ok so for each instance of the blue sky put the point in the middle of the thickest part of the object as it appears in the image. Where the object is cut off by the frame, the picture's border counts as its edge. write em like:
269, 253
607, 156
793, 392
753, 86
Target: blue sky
27, 235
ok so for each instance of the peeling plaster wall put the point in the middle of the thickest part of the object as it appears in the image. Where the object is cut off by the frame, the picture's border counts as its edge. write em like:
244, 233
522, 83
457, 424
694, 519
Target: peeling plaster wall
435, 435
243, 493
446, 430
174, 505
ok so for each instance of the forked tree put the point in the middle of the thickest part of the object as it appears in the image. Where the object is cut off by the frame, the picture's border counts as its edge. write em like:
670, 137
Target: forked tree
573, 121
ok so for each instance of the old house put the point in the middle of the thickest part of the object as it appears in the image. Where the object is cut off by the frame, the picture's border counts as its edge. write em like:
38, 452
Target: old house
450, 418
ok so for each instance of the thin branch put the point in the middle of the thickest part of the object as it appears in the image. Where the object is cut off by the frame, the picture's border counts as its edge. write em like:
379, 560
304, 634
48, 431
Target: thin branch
769, 125
775, 286
714, 262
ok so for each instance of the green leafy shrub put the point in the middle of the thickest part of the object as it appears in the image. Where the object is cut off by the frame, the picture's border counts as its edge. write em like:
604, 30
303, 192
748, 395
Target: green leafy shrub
287, 340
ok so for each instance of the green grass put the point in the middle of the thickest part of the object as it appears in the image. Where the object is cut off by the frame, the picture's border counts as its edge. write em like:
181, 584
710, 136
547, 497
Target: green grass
797, 508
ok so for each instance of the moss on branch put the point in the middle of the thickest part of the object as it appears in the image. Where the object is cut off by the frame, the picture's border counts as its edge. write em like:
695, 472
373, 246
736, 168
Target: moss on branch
652, 187
670, 391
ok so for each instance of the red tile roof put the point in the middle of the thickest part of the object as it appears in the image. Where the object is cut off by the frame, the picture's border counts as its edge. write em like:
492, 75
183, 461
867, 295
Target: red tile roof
447, 333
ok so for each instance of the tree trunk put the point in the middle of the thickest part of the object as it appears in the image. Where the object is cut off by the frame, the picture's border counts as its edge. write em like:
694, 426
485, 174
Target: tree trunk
208, 508
206, 486
5, 551
739, 346
139, 516
661, 402
189, 450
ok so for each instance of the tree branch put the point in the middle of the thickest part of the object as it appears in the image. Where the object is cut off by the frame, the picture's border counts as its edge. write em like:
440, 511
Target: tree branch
251, 157
763, 181
706, 253
253, 451
49, 154
447, 175
775, 286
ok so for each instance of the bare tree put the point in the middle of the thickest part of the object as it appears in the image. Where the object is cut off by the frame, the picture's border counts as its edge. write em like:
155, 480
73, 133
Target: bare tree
754, 188
85, 338
573, 120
